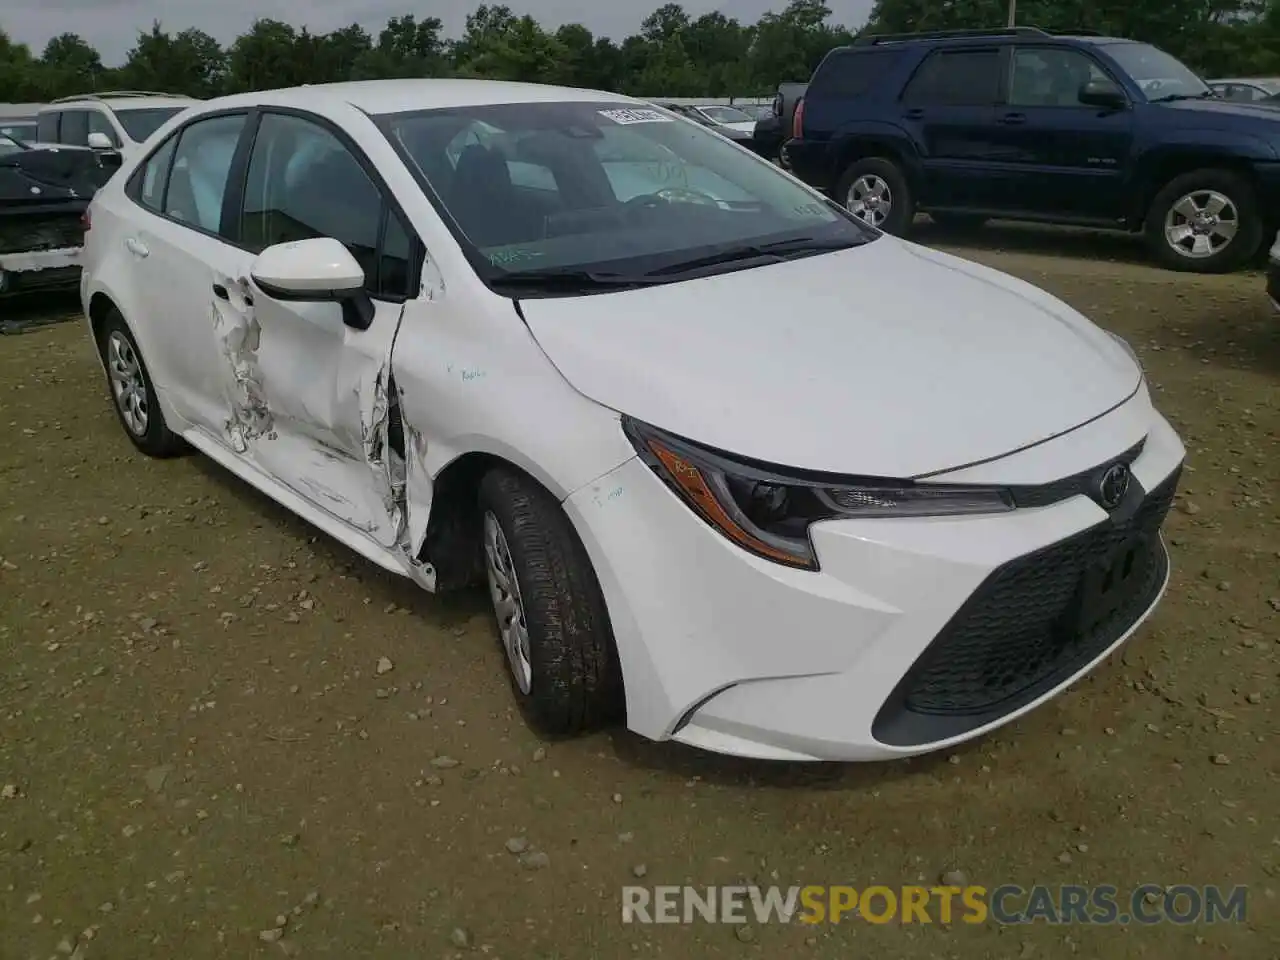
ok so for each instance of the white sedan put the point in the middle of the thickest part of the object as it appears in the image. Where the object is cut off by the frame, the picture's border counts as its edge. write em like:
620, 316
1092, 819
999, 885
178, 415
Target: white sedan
737, 469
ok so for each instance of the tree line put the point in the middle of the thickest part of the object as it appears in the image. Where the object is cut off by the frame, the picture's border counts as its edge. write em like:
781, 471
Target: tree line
674, 54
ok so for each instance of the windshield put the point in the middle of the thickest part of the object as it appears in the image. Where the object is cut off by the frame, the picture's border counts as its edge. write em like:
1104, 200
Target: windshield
1160, 75
9, 145
725, 114
141, 122
596, 186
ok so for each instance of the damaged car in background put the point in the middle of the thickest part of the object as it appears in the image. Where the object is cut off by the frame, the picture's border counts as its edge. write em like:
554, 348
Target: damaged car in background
713, 486
44, 192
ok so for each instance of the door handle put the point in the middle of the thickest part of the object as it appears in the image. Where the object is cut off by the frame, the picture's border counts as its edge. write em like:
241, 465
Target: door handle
1014, 118
915, 113
137, 247
220, 292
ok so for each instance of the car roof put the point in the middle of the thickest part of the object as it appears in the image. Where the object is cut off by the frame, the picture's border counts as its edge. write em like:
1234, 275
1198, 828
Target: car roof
400, 96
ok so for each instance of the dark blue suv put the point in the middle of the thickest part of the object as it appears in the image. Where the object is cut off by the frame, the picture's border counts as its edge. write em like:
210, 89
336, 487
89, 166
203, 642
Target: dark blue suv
1021, 124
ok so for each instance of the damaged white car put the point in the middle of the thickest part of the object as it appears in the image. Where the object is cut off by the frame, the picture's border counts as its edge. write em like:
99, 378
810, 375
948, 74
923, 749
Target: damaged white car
735, 467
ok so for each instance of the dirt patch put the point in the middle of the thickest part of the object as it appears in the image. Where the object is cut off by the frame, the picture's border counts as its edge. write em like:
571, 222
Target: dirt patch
202, 737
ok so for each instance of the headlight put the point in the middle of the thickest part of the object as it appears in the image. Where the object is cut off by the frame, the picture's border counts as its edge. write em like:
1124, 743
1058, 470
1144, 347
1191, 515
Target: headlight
769, 513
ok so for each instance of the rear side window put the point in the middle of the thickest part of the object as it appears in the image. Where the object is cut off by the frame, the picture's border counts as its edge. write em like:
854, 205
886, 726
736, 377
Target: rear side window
201, 165
851, 73
153, 176
956, 78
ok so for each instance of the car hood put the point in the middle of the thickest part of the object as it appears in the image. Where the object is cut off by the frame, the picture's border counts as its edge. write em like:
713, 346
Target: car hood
883, 360
1229, 110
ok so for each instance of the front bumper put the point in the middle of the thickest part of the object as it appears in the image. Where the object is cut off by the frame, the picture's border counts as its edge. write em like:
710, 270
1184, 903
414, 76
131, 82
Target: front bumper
882, 653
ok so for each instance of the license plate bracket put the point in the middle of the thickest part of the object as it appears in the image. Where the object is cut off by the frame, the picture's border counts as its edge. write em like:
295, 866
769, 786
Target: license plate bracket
1108, 584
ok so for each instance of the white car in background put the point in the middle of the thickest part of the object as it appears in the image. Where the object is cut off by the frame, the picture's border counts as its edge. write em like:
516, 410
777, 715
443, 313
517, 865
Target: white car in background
736, 468
109, 121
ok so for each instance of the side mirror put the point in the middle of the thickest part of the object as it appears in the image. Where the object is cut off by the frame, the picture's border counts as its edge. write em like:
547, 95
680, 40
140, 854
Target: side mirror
100, 141
1102, 93
319, 270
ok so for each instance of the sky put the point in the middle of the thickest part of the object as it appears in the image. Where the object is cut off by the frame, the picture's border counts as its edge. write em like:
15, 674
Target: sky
113, 25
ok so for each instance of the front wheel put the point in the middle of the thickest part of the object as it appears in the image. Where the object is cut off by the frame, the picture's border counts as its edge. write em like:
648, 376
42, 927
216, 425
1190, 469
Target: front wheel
876, 191
1206, 221
551, 614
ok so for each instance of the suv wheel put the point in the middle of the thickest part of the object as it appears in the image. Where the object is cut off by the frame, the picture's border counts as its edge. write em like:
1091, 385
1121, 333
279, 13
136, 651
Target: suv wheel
1206, 221
876, 191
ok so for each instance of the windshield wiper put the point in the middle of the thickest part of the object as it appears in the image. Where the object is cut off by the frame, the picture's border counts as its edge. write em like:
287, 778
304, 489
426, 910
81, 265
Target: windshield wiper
775, 252
569, 280
1170, 97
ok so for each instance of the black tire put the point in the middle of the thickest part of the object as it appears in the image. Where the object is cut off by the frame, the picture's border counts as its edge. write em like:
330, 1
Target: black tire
156, 440
958, 221
576, 680
1233, 254
902, 209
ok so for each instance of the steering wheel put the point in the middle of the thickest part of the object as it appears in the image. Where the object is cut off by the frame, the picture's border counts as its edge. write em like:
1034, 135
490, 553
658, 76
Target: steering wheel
668, 195
1152, 86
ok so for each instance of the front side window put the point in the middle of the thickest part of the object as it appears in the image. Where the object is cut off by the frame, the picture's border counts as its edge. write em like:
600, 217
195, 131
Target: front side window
304, 183
1159, 75
956, 78
98, 123
201, 165
597, 186
1050, 77
141, 122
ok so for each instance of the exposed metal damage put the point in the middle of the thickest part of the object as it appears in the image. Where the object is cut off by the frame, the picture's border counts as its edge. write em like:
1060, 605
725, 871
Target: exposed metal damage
239, 336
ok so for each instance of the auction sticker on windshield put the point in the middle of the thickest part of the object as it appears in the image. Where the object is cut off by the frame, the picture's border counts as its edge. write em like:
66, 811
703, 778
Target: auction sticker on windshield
635, 116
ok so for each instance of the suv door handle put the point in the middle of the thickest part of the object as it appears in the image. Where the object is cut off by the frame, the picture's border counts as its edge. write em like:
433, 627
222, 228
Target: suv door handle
915, 113
137, 247
1014, 118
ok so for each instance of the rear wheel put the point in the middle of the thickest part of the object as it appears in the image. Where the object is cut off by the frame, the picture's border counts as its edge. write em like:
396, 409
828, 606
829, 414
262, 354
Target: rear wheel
876, 191
551, 613
132, 393
1206, 221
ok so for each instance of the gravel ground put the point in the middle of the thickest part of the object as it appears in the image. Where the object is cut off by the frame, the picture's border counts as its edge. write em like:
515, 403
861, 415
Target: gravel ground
223, 735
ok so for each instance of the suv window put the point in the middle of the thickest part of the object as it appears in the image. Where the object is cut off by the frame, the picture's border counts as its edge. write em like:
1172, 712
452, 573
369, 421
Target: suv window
303, 182
956, 78
1050, 77
47, 127
98, 123
74, 129
849, 73
201, 164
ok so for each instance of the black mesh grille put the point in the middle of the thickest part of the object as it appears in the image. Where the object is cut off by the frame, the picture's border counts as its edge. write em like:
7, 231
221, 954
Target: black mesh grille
1022, 631
1082, 483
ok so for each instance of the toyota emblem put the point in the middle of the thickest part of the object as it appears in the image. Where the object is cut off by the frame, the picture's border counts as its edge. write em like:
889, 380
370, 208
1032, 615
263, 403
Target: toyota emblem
1113, 485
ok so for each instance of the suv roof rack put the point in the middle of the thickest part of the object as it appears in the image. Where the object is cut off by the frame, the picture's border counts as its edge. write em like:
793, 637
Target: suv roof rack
120, 94
871, 39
